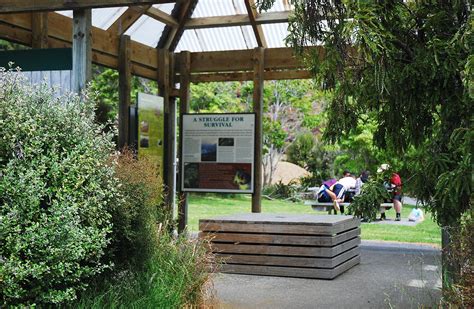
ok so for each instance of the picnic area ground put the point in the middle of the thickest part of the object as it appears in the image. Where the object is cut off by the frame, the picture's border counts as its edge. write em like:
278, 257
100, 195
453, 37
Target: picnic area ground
390, 275
211, 205
400, 265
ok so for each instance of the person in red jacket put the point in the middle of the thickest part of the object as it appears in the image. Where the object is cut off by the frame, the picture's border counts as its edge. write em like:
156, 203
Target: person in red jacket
394, 186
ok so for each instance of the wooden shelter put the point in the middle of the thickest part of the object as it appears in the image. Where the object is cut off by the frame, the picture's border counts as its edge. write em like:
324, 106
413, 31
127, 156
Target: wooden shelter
43, 24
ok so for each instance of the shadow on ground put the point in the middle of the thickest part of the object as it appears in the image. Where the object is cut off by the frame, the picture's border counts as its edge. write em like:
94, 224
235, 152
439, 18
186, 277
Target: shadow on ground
389, 276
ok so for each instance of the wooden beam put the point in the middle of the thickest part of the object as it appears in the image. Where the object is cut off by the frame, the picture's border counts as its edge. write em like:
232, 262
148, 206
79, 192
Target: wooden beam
247, 76
241, 60
236, 20
22, 36
17, 28
17, 6
258, 84
15, 34
39, 30
176, 32
104, 45
257, 29
161, 16
126, 20
164, 87
81, 49
184, 102
125, 78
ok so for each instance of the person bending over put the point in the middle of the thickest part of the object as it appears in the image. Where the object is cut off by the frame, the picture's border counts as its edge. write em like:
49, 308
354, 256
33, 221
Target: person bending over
332, 191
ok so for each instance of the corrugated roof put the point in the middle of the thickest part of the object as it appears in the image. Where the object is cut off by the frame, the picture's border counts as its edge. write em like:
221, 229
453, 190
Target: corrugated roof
147, 30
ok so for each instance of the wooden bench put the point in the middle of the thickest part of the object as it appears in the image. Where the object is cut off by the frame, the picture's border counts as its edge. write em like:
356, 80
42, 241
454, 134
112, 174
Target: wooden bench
288, 245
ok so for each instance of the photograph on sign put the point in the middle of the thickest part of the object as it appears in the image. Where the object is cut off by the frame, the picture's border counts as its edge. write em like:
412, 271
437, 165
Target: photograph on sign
151, 129
218, 153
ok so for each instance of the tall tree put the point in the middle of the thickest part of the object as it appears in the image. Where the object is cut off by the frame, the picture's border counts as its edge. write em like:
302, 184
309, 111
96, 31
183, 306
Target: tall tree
289, 106
410, 63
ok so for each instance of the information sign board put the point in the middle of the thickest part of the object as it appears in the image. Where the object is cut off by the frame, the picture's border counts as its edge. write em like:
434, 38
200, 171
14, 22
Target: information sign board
218, 153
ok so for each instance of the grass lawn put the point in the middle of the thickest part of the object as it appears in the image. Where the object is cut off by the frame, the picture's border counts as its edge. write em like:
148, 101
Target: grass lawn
208, 206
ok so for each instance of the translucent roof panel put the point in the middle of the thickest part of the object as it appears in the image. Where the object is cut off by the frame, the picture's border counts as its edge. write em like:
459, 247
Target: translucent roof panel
213, 39
101, 18
214, 8
226, 38
231, 7
249, 36
65, 13
146, 30
275, 34
190, 42
167, 7
104, 18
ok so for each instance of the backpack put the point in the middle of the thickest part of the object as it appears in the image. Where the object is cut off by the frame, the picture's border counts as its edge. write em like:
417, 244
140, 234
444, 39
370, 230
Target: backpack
396, 180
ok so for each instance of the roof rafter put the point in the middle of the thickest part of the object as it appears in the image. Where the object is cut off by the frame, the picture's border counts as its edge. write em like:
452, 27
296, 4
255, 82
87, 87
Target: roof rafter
127, 19
161, 16
236, 20
171, 34
257, 29
18, 6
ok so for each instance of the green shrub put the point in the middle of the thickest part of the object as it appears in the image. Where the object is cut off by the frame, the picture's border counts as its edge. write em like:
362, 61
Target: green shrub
367, 203
56, 183
176, 276
300, 151
290, 191
135, 221
307, 151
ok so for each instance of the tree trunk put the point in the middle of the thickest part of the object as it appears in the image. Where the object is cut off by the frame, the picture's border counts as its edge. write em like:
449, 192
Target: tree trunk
450, 267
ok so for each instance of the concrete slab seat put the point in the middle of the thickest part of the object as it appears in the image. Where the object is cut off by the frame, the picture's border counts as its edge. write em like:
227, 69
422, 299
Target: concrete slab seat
287, 245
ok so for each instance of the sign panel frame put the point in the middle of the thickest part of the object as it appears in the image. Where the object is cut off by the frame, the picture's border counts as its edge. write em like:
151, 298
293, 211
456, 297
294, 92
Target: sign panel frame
150, 129
218, 152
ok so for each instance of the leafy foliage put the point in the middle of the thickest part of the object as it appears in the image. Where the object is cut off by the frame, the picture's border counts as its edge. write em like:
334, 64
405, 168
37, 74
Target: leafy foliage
176, 276
461, 294
408, 64
309, 152
217, 97
443, 175
6, 45
135, 220
57, 184
290, 191
367, 204
301, 150
105, 85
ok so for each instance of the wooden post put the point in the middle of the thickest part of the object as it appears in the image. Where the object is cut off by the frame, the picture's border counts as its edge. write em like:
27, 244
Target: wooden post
258, 84
39, 30
164, 88
81, 49
125, 77
184, 99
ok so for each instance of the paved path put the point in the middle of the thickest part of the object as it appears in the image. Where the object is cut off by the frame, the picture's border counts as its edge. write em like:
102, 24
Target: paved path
391, 275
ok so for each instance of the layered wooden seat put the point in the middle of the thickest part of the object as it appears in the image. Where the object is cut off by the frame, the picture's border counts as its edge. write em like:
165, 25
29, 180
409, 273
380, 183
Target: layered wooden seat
309, 246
